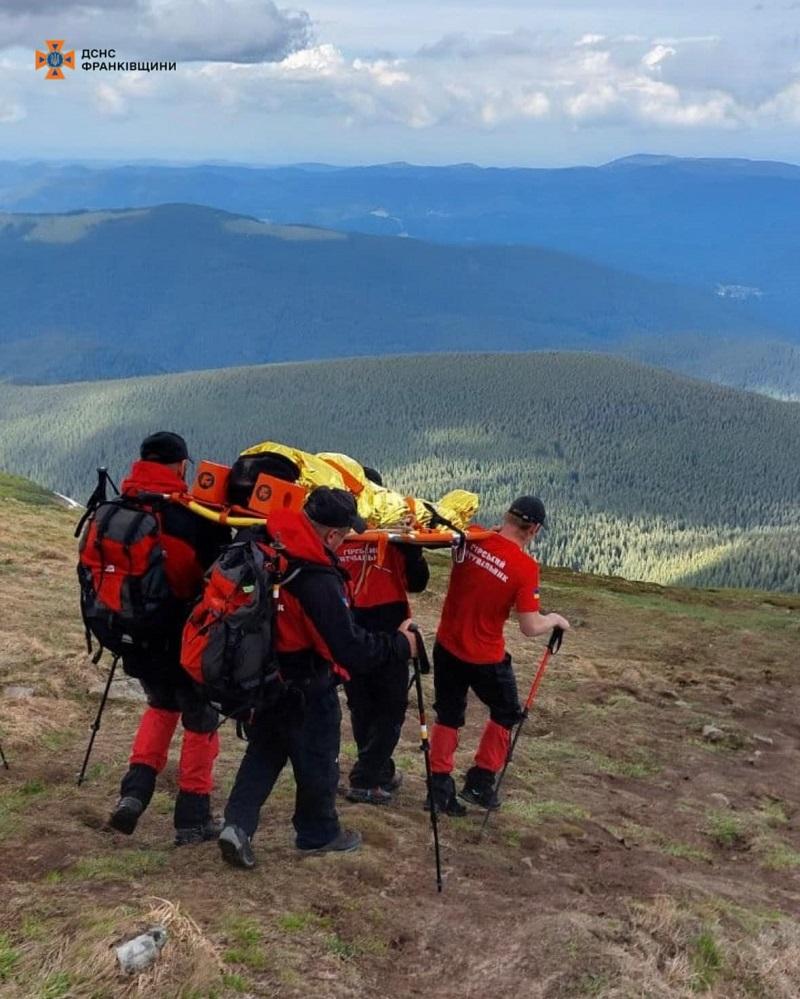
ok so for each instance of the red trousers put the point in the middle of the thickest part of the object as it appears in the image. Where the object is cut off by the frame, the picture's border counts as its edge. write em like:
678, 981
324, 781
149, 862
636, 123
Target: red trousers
495, 685
491, 754
198, 751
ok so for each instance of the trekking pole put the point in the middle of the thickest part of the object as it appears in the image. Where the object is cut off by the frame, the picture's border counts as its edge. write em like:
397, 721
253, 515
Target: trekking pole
424, 662
553, 645
3, 757
422, 665
96, 724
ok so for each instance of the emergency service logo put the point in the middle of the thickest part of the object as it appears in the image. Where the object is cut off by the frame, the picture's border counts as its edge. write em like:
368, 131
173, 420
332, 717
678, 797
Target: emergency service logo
55, 59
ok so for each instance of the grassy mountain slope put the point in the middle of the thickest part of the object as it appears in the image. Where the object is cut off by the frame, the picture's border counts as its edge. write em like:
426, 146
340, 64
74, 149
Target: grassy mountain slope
645, 474
631, 856
181, 287
704, 222
15, 487
757, 365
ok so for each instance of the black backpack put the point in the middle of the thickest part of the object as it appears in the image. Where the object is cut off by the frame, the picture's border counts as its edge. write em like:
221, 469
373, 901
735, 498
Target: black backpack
228, 642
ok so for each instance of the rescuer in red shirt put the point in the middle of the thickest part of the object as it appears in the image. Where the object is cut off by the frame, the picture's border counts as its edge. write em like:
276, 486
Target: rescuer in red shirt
496, 577
378, 699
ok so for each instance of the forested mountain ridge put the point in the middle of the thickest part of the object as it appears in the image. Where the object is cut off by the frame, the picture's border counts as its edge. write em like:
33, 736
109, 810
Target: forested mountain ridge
181, 287
714, 224
645, 474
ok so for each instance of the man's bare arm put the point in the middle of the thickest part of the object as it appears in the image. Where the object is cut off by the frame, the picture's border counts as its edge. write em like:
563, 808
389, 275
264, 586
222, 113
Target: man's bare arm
533, 623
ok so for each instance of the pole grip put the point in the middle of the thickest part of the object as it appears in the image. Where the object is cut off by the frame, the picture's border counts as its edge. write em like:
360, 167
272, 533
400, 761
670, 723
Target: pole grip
554, 643
422, 652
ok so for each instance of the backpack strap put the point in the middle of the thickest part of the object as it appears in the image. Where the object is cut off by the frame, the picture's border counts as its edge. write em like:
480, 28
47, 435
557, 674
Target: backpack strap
134, 526
292, 572
98, 497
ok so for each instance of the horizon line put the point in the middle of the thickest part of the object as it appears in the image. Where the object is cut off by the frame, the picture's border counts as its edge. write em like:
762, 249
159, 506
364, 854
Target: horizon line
655, 159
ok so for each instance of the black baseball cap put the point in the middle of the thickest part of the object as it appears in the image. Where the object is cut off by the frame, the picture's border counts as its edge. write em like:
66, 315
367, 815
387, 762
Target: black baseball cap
529, 509
334, 508
164, 447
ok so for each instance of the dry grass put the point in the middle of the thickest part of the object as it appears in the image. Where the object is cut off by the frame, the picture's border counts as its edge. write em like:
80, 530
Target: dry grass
41, 636
678, 950
190, 963
81, 963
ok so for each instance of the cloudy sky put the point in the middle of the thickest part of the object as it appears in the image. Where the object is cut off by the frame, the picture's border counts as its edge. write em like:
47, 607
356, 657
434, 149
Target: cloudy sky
442, 81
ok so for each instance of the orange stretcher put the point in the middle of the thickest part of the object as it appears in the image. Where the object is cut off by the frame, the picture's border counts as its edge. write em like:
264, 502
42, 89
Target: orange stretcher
208, 494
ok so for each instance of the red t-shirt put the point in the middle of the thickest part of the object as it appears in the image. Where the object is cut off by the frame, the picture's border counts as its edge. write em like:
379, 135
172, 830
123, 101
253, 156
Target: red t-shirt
373, 584
495, 578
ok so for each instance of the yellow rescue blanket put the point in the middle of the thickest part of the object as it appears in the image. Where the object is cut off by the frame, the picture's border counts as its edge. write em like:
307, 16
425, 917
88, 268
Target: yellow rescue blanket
379, 506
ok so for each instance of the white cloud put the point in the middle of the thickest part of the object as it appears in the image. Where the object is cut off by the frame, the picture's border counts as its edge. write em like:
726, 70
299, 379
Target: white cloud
662, 104
589, 41
594, 63
534, 105
497, 45
110, 102
413, 93
386, 73
323, 60
784, 106
592, 103
688, 40
520, 78
509, 106
621, 83
653, 59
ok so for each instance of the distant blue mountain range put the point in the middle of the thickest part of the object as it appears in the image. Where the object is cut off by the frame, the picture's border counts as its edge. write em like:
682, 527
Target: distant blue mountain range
106, 294
725, 227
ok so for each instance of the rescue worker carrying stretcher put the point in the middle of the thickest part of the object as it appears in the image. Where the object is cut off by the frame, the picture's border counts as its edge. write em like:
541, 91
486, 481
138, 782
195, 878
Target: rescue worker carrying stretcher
317, 643
378, 699
496, 577
191, 545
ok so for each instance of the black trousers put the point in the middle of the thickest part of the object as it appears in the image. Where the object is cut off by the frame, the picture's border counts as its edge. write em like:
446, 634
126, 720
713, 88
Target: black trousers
168, 686
308, 737
182, 695
377, 702
493, 683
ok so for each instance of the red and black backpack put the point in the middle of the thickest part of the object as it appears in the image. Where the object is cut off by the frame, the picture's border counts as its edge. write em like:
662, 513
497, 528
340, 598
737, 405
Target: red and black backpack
228, 641
126, 601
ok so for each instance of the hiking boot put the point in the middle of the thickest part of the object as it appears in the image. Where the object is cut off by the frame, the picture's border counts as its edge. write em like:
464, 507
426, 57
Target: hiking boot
347, 841
235, 847
479, 789
135, 791
369, 795
126, 814
394, 783
192, 835
444, 796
